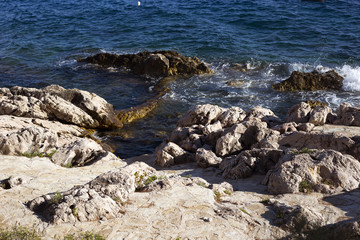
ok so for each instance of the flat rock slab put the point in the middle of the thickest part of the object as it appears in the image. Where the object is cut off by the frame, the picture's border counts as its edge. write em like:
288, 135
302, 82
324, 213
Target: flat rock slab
348, 131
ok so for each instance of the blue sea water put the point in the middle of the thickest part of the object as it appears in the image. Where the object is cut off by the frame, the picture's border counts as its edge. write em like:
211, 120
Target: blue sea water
41, 40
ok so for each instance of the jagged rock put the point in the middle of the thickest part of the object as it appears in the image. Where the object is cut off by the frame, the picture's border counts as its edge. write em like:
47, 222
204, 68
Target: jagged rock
99, 199
313, 81
325, 171
230, 142
319, 115
335, 141
56, 103
299, 113
298, 219
206, 158
28, 140
232, 116
247, 162
264, 114
254, 134
347, 229
61, 143
81, 152
305, 127
269, 141
14, 181
349, 115
286, 127
157, 64
201, 114
168, 154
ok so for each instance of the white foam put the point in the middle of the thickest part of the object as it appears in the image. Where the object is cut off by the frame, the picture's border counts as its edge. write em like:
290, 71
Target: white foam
351, 77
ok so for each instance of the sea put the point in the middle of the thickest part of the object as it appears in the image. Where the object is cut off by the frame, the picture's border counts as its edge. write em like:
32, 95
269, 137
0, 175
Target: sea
40, 42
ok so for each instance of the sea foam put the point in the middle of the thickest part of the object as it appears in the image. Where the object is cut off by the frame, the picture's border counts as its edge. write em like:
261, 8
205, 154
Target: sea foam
351, 77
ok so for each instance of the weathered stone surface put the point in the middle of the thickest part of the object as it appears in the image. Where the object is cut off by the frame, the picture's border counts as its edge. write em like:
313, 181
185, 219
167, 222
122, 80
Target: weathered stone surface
81, 152
100, 199
28, 140
324, 171
301, 140
201, 114
264, 114
313, 81
168, 154
158, 63
298, 219
247, 162
232, 116
230, 142
206, 158
299, 113
56, 103
305, 127
349, 115
61, 143
286, 127
319, 115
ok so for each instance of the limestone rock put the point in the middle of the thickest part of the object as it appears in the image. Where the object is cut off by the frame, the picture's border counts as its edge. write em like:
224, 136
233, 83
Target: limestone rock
313, 81
247, 162
324, 171
298, 219
206, 158
286, 127
264, 114
201, 114
157, 64
81, 152
314, 140
99, 199
61, 143
349, 115
319, 115
168, 154
56, 103
28, 140
230, 142
232, 116
299, 113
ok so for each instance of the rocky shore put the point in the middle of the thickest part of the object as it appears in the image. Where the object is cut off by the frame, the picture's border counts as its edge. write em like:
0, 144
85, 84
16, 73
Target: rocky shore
222, 173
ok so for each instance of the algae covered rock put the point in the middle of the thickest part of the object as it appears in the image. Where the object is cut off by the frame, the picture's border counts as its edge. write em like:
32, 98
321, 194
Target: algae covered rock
312, 81
156, 64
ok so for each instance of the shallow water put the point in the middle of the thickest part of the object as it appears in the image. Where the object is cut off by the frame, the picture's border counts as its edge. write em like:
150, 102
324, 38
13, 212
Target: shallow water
40, 42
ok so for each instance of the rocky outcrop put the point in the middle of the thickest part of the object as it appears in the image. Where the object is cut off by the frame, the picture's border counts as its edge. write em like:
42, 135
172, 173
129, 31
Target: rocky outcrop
72, 106
250, 161
99, 199
313, 81
349, 115
325, 171
210, 135
156, 64
63, 144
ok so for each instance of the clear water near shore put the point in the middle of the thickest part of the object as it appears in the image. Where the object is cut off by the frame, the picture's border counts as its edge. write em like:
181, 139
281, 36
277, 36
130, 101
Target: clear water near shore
40, 42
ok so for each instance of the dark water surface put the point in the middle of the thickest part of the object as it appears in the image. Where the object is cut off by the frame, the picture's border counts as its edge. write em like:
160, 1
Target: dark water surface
41, 40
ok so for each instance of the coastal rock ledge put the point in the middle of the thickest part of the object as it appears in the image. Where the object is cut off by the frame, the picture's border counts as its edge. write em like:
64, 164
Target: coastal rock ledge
155, 64
54, 102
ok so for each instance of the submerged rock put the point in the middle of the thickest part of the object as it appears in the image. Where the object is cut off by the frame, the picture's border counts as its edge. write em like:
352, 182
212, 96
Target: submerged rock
157, 64
313, 81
